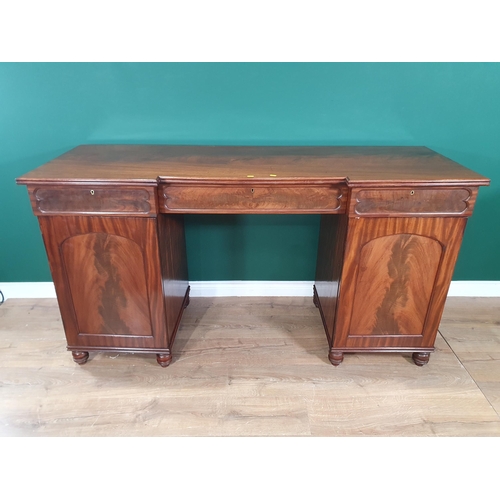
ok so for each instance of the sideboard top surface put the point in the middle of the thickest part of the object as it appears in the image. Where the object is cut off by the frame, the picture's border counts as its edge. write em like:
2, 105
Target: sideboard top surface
150, 164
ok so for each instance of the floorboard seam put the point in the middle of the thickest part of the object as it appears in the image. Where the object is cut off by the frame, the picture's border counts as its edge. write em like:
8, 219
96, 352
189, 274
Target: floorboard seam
468, 372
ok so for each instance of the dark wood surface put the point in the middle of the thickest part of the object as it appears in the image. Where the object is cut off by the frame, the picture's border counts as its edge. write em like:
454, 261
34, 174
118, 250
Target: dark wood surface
105, 272
174, 270
394, 282
107, 281
253, 199
58, 200
391, 229
418, 202
144, 164
331, 245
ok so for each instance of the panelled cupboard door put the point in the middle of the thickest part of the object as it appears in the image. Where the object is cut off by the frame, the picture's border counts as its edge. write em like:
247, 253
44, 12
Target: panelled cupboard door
394, 282
107, 277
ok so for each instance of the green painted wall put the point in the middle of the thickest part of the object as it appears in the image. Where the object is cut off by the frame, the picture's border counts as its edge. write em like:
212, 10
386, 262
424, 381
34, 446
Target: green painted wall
47, 109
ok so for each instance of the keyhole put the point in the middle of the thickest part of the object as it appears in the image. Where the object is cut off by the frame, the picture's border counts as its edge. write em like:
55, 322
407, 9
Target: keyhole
92, 192
252, 190
412, 192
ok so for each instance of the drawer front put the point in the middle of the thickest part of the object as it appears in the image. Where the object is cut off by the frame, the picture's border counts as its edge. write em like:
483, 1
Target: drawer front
252, 199
413, 201
91, 200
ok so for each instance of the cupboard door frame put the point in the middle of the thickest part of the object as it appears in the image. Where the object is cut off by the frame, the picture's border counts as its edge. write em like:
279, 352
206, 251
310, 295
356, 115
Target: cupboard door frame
142, 232
448, 232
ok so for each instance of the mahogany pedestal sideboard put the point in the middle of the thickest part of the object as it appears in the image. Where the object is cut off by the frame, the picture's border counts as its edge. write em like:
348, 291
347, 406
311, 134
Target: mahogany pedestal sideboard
392, 221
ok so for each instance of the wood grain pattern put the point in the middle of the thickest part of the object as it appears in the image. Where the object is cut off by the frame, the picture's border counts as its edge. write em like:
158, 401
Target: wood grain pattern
107, 280
252, 199
92, 200
107, 277
394, 284
417, 201
143, 164
246, 367
381, 283
389, 311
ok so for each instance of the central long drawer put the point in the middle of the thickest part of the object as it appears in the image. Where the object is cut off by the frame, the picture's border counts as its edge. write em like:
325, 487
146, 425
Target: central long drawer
213, 198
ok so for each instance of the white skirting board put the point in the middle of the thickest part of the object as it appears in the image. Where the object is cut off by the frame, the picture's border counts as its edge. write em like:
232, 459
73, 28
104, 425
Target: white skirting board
36, 290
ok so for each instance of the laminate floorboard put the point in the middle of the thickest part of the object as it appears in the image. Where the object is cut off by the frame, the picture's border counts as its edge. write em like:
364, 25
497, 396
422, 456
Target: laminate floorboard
249, 367
471, 327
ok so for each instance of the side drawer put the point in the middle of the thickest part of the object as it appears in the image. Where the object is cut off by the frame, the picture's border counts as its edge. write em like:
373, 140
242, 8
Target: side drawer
418, 201
252, 198
92, 200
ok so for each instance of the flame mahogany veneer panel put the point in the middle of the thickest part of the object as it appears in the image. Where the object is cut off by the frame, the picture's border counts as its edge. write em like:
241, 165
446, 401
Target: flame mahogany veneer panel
395, 278
396, 275
107, 280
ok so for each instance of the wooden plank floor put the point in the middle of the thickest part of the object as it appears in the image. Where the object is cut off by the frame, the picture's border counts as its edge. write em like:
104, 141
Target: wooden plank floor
249, 367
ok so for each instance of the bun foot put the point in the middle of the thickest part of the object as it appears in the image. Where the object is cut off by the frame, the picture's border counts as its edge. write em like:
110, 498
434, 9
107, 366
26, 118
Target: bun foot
164, 359
80, 357
336, 357
421, 358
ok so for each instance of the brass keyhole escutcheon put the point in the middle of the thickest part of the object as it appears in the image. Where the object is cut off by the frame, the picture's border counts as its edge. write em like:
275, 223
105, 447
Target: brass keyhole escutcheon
412, 192
252, 190
92, 192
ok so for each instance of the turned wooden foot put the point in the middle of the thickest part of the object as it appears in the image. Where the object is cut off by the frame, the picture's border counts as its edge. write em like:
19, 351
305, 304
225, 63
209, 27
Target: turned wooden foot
421, 358
164, 359
80, 357
336, 357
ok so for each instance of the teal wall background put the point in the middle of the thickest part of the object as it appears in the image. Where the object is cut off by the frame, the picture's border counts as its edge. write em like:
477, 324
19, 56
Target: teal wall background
47, 109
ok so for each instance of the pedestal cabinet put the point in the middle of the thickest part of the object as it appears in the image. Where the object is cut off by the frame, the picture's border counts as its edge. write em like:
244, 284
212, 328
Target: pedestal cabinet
392, 221
121, 279
394, 283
